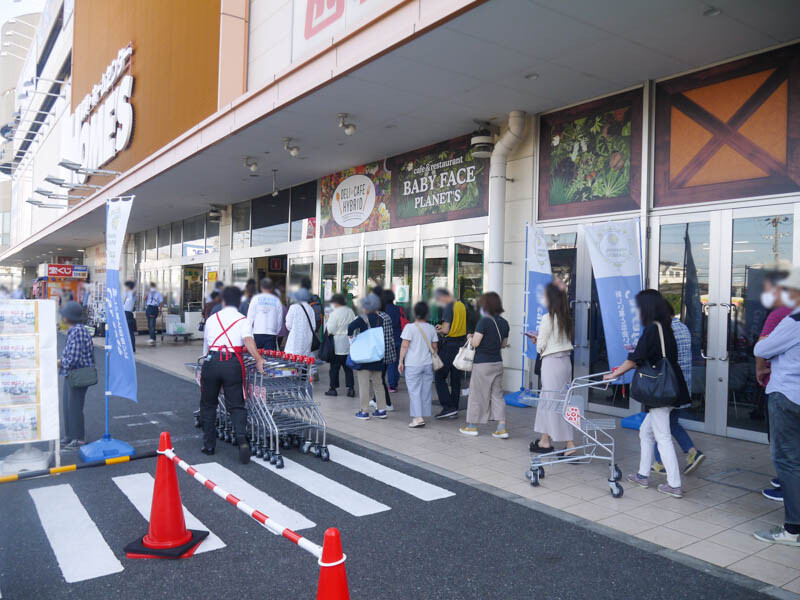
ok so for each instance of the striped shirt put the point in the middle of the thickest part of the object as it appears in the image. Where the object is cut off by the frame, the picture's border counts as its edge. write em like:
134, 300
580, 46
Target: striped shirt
78, 350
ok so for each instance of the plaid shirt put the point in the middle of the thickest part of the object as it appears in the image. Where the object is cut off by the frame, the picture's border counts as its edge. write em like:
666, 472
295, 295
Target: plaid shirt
390, 355
78, 350
683, 339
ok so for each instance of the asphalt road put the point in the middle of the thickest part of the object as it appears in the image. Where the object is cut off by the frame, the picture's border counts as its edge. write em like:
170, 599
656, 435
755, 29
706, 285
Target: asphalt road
472, 545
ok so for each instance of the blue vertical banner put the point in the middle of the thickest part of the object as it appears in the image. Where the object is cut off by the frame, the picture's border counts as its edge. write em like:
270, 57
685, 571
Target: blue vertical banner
539, 274
616, 261
121, 374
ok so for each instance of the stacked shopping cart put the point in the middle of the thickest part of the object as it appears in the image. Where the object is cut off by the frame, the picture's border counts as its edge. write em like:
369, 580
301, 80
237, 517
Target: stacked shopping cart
281, 411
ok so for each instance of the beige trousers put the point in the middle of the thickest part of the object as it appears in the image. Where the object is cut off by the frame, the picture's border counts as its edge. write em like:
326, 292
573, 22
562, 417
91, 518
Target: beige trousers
486, 393
366, 377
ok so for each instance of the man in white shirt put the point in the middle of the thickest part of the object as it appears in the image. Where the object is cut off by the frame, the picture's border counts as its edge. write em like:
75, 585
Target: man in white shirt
152, 308
226, 335
129, 305
265, 315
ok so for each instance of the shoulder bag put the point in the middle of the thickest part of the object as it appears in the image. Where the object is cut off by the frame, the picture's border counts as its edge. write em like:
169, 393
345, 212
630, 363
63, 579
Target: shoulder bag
314, 337
656, 385
437, 362
82, 377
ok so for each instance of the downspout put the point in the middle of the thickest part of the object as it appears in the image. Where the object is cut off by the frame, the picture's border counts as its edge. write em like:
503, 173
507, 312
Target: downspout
497, 198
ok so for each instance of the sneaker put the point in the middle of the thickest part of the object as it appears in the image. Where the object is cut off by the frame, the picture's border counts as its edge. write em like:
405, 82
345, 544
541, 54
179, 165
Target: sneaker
778, 535
351, 392
362, 415
205, 450
775, 494
372, 404
380, 414
638, 480
693, 460
151, 342
448, 413
390, 408
74, 445
332, 392
658, 467
65, 440
467, 430
675, 492
392, 390
775, 482
500, 434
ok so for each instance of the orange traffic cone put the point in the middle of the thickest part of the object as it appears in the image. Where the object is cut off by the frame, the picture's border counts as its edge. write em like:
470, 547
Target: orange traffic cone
167, 536
332, 576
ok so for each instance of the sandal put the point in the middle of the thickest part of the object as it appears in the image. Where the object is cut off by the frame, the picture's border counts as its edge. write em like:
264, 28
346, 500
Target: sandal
535, 447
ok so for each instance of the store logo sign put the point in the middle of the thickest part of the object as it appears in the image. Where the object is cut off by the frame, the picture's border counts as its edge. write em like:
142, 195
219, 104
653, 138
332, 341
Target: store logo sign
353, 201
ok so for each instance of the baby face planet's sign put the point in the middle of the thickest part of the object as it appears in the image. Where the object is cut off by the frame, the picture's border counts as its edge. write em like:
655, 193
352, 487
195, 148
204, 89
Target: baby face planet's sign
353, 201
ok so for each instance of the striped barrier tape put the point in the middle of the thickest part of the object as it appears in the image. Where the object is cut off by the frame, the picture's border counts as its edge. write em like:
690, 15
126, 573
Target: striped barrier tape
266, 521
67, 468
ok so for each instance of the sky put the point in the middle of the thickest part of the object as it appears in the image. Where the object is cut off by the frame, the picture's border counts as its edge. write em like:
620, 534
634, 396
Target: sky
12, 8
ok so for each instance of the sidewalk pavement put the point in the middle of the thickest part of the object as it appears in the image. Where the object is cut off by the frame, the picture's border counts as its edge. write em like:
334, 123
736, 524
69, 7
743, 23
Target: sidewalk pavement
722, 504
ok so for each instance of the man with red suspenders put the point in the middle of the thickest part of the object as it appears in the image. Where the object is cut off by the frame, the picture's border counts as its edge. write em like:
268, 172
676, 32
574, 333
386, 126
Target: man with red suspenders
227, 334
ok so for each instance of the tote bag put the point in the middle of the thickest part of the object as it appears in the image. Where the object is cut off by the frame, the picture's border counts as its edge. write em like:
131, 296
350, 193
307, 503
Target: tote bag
656, 385
465, 357
327, 351
368, 346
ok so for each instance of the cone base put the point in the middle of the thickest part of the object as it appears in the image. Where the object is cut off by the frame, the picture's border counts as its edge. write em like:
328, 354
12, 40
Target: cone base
137, 549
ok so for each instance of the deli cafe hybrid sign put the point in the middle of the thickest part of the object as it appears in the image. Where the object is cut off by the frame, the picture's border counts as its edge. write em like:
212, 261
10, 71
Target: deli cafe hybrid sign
437, 183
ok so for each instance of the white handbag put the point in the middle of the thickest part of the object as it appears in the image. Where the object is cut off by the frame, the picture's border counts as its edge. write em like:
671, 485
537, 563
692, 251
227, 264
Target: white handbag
465, 357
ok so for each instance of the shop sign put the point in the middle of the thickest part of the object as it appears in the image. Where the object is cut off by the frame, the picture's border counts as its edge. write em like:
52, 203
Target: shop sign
441, 182
71, 271
105, 115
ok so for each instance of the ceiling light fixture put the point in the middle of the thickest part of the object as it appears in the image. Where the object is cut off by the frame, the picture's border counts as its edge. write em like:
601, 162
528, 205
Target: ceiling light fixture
711, 11
292, 150
250, 163
532, 76
274, 182
349, 128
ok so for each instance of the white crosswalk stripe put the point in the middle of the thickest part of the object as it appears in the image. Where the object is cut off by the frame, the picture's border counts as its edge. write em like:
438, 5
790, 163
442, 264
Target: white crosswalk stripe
253, 496
396, 479
347, 499
81, 551
139, 490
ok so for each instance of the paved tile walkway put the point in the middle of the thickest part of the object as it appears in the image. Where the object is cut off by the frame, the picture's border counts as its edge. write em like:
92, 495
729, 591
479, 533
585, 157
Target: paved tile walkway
722, 505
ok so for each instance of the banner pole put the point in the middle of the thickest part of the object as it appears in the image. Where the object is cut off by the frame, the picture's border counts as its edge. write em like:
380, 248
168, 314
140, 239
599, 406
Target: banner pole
106, 349
525, 295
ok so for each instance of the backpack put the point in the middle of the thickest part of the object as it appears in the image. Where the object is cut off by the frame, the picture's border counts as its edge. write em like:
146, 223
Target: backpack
316, 303
403, 319
472, 316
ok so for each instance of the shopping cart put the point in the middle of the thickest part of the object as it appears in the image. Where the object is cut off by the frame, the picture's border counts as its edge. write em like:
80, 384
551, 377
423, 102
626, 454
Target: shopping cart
281, 411
597, 442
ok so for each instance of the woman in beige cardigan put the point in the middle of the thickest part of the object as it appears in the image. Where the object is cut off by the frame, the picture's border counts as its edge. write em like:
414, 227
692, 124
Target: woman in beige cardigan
554, 344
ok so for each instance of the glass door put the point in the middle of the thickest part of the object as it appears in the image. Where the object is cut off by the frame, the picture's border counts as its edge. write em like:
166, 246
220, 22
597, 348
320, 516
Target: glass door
402, 270
469, 272
328, 276
376, 268
349, 277
434, 275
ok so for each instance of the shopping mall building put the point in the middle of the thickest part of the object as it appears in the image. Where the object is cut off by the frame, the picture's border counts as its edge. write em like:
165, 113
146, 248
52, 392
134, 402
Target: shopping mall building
334, 139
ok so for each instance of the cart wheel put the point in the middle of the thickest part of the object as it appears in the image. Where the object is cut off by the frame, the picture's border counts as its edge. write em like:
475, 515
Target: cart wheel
540, 472
286, 444
617, 473
267, 454
279, 462
219, 434
259, 452
528, 474
616, 489
306, 447
324, 454
315, 449
534, 478
253, 450
297, 441
274, 458
197, 421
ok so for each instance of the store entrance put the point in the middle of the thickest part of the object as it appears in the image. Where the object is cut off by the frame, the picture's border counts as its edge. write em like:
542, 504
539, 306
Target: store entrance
273, 267
192, 286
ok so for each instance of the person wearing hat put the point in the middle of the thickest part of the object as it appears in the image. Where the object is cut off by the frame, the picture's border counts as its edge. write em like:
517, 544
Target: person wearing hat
78, 353
226, 335
782, 348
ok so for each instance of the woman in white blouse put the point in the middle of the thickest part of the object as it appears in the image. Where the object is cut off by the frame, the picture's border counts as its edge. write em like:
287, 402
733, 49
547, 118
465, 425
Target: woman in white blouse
300, 321
554, 344
341, 316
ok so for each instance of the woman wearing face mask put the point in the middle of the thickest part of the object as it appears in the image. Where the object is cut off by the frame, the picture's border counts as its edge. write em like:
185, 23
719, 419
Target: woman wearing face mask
554, 343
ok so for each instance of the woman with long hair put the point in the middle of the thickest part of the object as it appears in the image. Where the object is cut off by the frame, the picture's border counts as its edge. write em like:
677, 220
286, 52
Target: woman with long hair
656, 342
554, 344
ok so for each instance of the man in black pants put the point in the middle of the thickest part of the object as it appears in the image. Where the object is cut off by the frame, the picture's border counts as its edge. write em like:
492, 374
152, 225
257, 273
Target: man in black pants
128, 305
227, 334
453, 334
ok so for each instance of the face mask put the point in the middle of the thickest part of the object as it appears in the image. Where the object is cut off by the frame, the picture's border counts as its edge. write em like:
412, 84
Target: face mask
787, 299
768, 299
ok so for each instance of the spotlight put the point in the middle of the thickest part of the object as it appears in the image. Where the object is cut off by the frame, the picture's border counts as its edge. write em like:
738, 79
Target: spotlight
349, 128
292, 150
251, 164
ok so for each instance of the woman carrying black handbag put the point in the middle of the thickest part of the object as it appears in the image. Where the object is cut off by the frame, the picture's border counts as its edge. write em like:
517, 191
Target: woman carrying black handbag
659, 385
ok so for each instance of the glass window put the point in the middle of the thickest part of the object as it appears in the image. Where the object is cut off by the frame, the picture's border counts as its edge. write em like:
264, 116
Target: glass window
469, 272
350, 277
434, 275
761, 245
299, 269
241, 225
138, 242
150, 245
683, 280
304, 211
175, 289
212, 235
402, 273
271, 219
177, 231
240, 273
194, 236
163, 241
328, 276
376, 268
